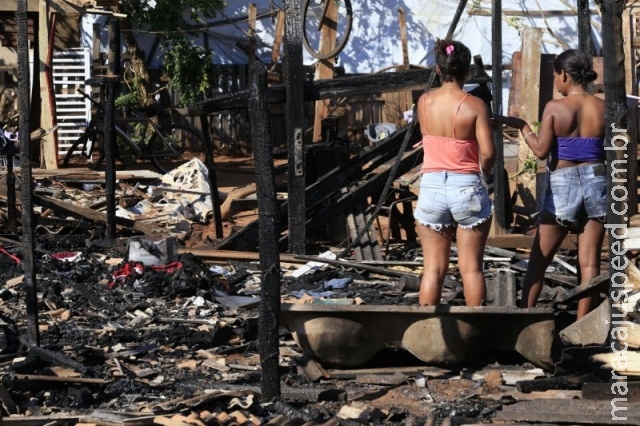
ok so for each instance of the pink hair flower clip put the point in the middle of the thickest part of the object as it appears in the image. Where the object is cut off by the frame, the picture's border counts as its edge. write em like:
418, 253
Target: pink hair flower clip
449, 49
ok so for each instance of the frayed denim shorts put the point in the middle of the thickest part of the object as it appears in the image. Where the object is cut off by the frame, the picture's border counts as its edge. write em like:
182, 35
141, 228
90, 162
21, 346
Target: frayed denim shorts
577, 193
447, 198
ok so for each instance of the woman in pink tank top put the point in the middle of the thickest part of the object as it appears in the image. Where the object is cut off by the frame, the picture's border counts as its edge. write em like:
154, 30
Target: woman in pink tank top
458, 148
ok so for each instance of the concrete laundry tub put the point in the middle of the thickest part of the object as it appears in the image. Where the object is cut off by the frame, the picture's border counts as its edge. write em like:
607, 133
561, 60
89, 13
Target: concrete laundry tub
346, 336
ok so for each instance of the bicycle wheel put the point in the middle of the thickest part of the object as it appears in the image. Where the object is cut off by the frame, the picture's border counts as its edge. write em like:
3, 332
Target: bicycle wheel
166, 148
313, 19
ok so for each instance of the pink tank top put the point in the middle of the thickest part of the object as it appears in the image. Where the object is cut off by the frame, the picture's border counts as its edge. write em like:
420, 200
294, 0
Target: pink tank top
442, 153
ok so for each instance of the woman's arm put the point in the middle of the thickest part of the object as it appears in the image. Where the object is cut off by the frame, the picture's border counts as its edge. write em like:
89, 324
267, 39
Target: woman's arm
484, 136
540, 144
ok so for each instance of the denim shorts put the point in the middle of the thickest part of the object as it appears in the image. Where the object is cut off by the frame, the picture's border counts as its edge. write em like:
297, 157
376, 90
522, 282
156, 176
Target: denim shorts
577, 193
447, 198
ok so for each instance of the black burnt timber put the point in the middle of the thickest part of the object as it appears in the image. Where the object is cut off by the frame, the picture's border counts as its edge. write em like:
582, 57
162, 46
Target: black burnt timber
327, 186
591, 288
90, 214
294, 76
366, 189
357, 265
571, 382
7, 402
268, 233
28, 228
617, 152
53, 357
359, 85
210, 164
500, 185
289, 393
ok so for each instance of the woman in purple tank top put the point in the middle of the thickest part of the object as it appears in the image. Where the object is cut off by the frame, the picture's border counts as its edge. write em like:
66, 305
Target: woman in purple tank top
572, 139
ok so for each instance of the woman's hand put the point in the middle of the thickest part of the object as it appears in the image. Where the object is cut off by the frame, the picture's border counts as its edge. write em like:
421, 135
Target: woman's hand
515, 122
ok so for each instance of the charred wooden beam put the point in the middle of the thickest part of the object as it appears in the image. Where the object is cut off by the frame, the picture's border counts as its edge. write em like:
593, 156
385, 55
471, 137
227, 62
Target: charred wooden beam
330, 184
414, 79
499, 220
571, 382
53, 357
88, 213
268, 233
209, 162
28, 237
371, 187
356, 265
294, 108
38, 380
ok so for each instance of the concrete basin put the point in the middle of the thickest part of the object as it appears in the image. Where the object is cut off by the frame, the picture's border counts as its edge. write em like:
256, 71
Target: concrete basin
348, 336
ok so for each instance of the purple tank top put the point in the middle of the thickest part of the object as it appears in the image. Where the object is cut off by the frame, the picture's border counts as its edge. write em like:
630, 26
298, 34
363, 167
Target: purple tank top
579, 149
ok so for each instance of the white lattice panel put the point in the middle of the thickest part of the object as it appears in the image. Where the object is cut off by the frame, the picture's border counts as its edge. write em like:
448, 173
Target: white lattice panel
70, 69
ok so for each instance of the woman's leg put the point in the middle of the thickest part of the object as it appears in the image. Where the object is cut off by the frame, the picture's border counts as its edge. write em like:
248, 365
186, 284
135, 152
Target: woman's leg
436, 248
545, 245
470, 243
589, 250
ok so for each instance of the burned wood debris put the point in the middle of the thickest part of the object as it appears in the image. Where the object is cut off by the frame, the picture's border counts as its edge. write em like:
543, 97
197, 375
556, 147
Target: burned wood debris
161, 325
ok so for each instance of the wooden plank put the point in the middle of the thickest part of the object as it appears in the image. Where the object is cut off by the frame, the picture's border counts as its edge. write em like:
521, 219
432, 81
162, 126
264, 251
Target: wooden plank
355, 265
403, 36
277, 37
253, 11
49, 158
572, 411
18, 378
529, 111
630, 62
324, 68
602, 391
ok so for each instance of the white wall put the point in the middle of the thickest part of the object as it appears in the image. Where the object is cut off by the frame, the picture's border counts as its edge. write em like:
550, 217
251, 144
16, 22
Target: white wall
375, 39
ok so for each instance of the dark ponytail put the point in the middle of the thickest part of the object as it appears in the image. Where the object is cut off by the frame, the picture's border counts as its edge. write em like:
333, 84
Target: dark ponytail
453, 58
577, 65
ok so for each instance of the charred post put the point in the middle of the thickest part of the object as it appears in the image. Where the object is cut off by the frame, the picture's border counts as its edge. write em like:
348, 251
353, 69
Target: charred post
617, 141
268, 233
584, 27
12, 224
211, 172
496, 87
294, 112
28, 237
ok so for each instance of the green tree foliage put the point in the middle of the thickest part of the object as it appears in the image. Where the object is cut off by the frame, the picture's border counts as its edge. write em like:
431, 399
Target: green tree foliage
188, 65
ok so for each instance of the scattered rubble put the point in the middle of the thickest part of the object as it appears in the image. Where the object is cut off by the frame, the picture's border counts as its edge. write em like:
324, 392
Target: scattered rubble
158, 327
